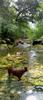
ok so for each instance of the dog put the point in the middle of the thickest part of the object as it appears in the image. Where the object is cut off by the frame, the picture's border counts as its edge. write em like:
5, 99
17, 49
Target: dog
17, 72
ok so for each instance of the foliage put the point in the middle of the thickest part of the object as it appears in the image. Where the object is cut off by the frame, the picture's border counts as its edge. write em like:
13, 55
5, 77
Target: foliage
38, 33
14, 18
35, 73
28, 10
16, 60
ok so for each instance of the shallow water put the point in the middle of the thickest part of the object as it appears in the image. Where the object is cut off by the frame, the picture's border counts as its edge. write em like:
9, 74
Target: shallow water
12, 89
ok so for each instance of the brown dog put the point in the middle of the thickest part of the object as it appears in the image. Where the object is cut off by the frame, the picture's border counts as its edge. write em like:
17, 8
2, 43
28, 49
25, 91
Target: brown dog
17, 72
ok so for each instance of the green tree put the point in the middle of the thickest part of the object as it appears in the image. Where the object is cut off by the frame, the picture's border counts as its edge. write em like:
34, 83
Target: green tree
28, 10
16, 17
38, 32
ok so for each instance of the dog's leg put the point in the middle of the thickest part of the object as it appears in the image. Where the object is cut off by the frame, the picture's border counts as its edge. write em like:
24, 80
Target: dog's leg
19, 78
9, 73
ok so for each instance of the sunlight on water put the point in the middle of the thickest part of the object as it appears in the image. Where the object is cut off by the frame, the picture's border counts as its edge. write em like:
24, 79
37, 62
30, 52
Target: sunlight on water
31, 97
19, 92
29, 92
34, 96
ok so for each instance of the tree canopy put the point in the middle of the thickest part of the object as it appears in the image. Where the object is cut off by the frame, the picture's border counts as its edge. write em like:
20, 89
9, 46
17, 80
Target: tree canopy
30, 10
16, 15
